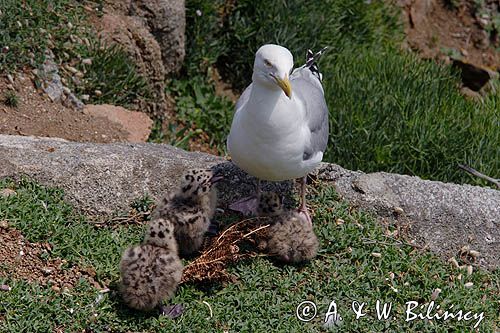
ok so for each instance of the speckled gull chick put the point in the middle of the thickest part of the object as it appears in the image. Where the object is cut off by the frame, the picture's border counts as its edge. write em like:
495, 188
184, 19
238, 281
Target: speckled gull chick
280, 128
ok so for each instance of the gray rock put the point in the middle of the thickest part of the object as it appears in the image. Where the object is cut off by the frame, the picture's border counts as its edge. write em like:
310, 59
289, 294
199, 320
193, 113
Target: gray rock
101, 179
52, 80
442, 216
152, 33
167, 22
52, 83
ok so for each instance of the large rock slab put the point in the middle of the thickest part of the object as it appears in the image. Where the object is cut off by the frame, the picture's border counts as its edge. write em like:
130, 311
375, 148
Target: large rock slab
101, 179
443, 216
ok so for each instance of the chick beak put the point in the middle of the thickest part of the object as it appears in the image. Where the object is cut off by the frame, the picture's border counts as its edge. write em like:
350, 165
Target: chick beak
285, 85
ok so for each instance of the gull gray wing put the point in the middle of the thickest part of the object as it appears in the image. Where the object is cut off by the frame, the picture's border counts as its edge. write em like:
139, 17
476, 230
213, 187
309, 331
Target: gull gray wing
308, 89
243, 98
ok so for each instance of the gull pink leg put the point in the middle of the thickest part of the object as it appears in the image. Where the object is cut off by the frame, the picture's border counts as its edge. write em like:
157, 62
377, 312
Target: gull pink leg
303, 207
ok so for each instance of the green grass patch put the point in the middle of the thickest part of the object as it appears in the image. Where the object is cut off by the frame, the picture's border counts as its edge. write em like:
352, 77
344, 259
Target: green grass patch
266, 294
29, 28
42, 216
201, 111
114, 74
10, 99
405, 115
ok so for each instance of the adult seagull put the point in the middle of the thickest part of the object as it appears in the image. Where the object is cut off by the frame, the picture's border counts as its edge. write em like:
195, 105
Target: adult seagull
280, 128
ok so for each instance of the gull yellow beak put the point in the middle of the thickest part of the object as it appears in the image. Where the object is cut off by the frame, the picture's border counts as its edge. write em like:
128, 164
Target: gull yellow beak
285, 85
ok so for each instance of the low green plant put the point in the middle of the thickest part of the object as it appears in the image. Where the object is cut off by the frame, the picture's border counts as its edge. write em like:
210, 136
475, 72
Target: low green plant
405, 115
42, 216
201, 111
265, 295
11, 99
30, 27
114, 74
175, 134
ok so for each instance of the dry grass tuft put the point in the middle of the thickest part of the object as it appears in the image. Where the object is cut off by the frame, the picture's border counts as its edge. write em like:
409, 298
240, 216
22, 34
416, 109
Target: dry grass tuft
211, 265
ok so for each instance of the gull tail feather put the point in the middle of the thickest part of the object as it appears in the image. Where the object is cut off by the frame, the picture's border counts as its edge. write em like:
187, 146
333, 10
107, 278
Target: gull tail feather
312, 62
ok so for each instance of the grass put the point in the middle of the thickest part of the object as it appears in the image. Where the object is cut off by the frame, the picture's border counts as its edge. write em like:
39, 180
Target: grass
11, 99
406, 115
202, 112
29, 28
389, 110
266, 294
113, 73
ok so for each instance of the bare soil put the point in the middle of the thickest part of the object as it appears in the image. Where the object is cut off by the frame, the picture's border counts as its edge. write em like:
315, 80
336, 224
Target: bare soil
37, 115
21, 260
434, 28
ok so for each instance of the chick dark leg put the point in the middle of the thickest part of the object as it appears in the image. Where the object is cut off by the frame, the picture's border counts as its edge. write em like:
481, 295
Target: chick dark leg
303, 207
248, 205
171, 311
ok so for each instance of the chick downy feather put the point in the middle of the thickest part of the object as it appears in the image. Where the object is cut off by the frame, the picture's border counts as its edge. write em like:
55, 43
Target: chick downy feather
290, 238
151, 272
190, 209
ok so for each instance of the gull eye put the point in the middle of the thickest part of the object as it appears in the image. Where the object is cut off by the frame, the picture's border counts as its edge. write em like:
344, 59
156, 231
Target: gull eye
267, 63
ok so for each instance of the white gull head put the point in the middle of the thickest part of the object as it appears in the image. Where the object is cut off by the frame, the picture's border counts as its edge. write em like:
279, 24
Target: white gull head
272, 68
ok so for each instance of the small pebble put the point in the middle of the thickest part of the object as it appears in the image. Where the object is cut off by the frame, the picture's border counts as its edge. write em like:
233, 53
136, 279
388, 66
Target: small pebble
70, 25
7, 192
391, 275
454, 262
5, 287
339, 221
85, 97
72, 69
469, 285
98, 93
47, 271
4, 224
435, 294
459, 277
56, 288
87, 61
10, 79
474, 253
399, 210
66, 90
469, 270
376, 254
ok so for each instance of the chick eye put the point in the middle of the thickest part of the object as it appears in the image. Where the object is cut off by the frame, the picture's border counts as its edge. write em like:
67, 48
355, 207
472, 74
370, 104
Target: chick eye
267, 63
